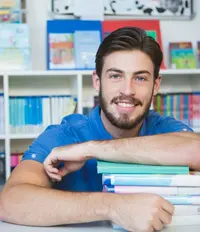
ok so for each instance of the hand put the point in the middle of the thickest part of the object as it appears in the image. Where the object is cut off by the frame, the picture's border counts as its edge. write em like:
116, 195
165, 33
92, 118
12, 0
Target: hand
73, 156
141, 212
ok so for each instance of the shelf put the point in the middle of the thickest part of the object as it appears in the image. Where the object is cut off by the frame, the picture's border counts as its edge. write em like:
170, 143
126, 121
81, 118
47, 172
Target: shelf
180, 71
89, 72
2, 137
47, 73
23, 136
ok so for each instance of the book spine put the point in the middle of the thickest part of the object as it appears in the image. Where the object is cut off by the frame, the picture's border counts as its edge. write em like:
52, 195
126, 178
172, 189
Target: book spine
156, 190
152, 180
183, 200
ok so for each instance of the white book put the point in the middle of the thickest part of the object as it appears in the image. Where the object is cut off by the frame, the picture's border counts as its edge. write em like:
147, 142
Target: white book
185, 220
186, 210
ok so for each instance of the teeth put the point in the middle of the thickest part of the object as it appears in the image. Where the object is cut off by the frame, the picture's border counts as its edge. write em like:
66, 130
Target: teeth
123, 104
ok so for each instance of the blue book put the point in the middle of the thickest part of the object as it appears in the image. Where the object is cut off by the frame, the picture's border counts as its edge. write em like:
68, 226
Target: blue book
129, 168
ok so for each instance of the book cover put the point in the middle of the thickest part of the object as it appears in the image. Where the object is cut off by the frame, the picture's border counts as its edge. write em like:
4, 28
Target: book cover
179, 180
128, 168
61, 50
86, 46
182, 55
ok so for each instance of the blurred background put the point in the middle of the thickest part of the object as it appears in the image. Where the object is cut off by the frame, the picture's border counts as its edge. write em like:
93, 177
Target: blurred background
47, 53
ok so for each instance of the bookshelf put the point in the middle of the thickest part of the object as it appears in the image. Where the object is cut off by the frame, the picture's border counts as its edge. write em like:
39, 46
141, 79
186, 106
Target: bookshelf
76, 83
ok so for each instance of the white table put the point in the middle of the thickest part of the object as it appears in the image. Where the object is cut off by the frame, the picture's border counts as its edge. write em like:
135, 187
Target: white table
91, 227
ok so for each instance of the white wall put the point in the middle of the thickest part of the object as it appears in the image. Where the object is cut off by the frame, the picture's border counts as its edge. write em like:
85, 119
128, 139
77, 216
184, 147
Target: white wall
38, 14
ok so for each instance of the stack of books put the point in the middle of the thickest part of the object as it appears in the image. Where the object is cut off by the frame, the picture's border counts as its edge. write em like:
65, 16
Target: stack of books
174, 183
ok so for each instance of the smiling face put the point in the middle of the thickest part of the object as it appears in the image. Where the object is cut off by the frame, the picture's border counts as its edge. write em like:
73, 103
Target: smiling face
126, 87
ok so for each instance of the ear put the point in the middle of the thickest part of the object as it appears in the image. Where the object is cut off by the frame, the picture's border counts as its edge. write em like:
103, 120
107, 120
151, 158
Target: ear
96, 81
157, 83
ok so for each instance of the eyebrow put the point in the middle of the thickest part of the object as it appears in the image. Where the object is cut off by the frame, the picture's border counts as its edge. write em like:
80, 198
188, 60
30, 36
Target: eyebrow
121, 71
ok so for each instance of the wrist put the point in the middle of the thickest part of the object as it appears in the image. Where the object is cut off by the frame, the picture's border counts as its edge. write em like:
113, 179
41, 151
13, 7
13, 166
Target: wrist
105, 209
92, 149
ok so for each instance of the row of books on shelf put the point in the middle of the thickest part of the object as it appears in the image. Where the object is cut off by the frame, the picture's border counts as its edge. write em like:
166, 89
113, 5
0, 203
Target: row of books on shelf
177, 184
32, 114
182, 106
72, 44
15, 159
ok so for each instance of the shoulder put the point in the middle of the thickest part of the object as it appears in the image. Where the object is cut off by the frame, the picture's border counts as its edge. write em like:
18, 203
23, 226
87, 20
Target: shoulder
165, 124
55, 136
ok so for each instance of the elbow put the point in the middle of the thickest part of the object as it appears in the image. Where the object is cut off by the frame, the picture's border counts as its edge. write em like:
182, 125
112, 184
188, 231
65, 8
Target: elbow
194, 156
7, 213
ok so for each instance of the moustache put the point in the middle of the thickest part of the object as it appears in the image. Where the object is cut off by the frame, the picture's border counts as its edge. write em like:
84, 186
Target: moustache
130, 99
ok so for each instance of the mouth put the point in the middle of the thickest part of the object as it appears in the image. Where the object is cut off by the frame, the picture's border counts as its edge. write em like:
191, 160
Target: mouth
125, 106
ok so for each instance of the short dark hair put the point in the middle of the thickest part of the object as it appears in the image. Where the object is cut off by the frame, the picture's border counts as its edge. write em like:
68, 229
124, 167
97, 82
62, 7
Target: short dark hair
129, 38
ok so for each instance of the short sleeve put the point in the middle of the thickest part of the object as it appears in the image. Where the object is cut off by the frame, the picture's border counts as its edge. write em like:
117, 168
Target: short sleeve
53, 136
169, 125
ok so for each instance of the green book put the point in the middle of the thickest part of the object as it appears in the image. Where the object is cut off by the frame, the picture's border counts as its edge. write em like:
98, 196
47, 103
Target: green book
127, 168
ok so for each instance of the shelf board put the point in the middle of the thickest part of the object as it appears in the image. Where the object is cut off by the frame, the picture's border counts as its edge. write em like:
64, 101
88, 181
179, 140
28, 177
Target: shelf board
48, 73
23, 136
180, 71
89, 72
2, 137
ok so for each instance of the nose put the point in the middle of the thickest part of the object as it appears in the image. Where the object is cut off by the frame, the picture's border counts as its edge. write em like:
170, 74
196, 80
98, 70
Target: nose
128, 87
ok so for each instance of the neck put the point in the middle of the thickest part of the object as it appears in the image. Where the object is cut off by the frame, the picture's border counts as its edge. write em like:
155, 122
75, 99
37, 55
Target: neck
117, 132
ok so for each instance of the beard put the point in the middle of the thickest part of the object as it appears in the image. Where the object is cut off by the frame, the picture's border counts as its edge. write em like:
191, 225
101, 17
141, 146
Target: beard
124, 122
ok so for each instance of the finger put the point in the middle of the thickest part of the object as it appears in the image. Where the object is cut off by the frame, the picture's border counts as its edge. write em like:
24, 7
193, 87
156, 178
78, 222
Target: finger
157, 224
168, 207
63, 171
54, 176
165, 217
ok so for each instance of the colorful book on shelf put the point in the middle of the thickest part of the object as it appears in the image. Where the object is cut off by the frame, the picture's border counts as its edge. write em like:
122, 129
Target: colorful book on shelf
192, 191
128, 168
198, 51
182, 55
178, 180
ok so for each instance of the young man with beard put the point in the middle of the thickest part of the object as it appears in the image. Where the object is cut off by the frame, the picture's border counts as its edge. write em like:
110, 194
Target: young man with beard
121, 129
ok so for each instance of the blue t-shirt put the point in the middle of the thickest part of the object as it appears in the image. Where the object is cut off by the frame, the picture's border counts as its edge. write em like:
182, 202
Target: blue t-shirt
78, 128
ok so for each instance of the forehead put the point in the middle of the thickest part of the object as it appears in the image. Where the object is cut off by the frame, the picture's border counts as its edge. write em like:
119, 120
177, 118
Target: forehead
128, 61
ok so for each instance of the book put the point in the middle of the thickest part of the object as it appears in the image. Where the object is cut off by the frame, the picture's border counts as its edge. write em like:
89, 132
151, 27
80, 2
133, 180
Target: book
182, 55
128, 168
61, 47
176, 221
192, 180
186, 210
192, 191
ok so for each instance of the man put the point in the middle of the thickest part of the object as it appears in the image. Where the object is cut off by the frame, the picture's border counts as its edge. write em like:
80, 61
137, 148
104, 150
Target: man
121, 129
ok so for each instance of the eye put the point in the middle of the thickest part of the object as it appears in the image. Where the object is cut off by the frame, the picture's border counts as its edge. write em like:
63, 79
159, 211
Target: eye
115, 76
139, 78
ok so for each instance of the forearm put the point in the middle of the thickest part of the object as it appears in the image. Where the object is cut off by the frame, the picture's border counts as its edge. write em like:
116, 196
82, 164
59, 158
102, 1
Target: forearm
165, 149
37, 206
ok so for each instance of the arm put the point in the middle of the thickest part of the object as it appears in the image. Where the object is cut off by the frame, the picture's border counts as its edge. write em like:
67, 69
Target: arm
181, 148
28, 199
177, 148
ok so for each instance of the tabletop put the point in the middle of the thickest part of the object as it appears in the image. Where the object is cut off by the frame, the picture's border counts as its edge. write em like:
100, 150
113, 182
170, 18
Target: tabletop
93, 227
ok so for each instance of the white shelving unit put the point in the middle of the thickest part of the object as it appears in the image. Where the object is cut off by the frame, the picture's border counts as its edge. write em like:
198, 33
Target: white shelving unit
77, 83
